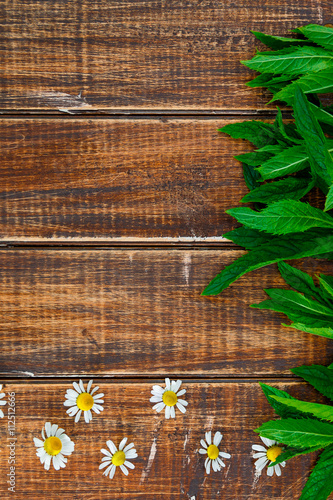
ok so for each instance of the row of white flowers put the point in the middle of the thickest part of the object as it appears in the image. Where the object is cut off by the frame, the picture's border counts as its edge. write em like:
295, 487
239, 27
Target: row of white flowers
56, 445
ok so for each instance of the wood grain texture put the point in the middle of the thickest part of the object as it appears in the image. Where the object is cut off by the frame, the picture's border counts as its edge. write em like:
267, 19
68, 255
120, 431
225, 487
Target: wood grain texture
139, 312
123, 180
168, 466
89, 55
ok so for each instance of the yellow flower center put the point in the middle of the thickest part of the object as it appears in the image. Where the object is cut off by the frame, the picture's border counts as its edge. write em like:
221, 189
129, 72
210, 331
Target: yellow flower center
85, 401
169, 398
213, 451
52, 445
273, 452
118, 458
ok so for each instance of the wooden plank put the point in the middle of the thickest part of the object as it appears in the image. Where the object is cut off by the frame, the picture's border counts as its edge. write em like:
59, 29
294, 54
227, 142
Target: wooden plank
168, 463
139, 312
139, 55
118, 180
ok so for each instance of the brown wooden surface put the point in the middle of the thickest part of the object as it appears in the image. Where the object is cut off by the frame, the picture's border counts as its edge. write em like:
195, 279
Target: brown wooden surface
87, 55
118, 180
140, 312
175, 470
152, 174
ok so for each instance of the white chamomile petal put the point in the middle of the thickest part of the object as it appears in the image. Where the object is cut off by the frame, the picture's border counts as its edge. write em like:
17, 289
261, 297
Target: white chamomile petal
168, 398
53, 448
119, 457
211, 450
81, 400
268, 456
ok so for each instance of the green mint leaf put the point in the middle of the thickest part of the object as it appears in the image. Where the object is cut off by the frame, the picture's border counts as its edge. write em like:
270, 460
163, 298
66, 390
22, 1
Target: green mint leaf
321, 331
291, 61
252, 177
278, 42
282, 410
316, 144
300, 303
303, 433
329, 199
323, 412
291, 188
282, 129
300, 281
247, 238
257, 132
326, 282
293, 452
320, 483
290, 160
315, 242
312, 83
321, 35
320, 377
283, 217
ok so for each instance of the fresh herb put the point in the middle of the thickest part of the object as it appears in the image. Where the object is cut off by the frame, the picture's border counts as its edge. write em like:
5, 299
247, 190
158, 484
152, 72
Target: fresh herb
290, 160
304, 426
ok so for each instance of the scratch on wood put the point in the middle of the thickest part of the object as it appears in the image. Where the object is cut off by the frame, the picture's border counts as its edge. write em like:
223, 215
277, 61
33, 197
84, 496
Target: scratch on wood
151, 457
61, 99
187, 265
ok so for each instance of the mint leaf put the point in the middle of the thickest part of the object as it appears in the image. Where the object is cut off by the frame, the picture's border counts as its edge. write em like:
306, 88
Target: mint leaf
320, 377
247, 238
282, 410
320, 483
319, 34
326, 282
316, 145
324, 331
293, 452
324, 412
329, 199
303, 433
278, 42
290, 160
312, 83
291, 61
300, 303
257, 132
252, 177
283, 217
291, 188
315, 242
300, 281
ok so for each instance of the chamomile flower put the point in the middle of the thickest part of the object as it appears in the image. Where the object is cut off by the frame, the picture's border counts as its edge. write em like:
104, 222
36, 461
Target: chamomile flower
211, 449
168, 398
118, 457
268, 455
82, 400
2, 403
53, 447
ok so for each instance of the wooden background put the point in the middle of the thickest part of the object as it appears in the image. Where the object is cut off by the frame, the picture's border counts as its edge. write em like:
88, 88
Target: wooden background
114, 186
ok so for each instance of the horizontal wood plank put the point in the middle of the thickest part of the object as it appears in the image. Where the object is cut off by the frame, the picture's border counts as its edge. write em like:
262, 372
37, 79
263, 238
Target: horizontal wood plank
139, 312
118, 180
168, 464
139, 55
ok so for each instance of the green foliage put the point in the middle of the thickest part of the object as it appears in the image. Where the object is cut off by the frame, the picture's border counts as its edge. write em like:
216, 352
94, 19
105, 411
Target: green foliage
283, 217
320, 484
313, 242
320, 377
290, 188
303, 433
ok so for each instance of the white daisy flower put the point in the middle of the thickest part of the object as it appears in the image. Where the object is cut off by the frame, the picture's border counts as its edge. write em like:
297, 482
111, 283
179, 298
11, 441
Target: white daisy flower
212, 451
168, 398
82, 400
54, 446
270, 455
2, 403
118, 458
